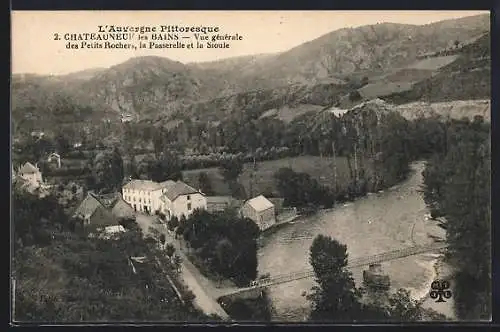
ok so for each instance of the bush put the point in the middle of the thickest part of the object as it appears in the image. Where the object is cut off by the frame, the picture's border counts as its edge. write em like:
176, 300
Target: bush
128, 223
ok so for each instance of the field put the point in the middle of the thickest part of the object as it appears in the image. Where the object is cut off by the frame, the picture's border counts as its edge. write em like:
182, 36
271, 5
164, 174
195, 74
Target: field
403, 79
408, 75
218, 184
433, 63
287, 113
263, 182
380, 89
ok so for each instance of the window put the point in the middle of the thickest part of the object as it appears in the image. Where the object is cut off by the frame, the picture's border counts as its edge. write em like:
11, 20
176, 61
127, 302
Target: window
140, 200
188, 197
189, 206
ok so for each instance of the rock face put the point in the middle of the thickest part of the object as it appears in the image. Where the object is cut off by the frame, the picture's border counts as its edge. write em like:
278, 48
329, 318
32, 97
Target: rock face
453, 109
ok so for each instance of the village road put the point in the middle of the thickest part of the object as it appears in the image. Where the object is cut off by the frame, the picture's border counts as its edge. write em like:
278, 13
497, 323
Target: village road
204, 289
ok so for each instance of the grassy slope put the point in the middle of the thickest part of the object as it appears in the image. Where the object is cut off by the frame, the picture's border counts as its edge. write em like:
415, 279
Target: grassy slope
403, 79
319, 168
288, 113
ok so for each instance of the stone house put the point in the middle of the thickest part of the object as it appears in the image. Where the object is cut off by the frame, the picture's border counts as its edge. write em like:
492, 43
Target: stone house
94, 213
180, 199
30, 173
261, 211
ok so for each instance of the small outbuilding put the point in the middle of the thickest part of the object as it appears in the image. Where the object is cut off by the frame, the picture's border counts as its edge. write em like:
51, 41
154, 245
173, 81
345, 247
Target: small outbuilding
261, 211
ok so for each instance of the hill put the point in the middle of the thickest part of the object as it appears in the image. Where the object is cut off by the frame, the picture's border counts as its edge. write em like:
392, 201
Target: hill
363, 51
42, 103
380, 60
467, 77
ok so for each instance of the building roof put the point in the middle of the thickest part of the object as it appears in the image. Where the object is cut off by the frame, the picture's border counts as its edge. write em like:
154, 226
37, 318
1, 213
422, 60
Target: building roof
260, 203
109, 200
178, 189
167, 184
146, 185
28, 168
122, 209
88, 206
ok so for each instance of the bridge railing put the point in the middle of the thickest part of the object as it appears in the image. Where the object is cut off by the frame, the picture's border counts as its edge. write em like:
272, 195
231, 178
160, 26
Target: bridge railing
361, 261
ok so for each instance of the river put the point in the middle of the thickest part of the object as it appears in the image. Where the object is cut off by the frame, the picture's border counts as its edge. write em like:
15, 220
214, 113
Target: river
384, 221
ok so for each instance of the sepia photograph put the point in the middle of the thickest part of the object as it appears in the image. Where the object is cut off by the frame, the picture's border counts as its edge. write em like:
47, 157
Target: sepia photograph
219, 167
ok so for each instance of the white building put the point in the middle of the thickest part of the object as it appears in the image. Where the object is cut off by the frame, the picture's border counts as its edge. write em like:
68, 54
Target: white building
169, 197
181, 199
144, 195
31, 174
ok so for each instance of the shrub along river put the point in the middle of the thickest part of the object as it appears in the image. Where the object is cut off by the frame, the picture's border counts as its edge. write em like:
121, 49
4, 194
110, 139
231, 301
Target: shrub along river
380, 222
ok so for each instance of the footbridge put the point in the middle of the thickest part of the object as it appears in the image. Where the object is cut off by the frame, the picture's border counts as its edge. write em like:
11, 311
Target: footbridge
354, 263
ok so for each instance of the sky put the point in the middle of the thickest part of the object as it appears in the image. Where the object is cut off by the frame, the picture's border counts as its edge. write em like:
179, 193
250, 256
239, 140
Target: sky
34, 49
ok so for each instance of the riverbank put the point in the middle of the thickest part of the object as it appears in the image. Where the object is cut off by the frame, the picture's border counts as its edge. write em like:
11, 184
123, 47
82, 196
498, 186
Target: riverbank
249, 310
443, 271
380, 222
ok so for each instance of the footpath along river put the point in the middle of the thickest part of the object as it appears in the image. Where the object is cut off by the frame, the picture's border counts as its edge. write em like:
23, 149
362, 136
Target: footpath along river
385, 221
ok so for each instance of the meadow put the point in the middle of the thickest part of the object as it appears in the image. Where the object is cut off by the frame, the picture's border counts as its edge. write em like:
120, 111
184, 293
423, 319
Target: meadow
260, 180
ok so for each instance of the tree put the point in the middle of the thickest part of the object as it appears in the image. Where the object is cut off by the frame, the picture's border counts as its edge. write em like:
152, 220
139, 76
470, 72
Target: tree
225, 253
225, 243
205, 184
173, 223
62, 144
129, 223
117, 167
170, 250
177, 262
108, 170
162, 239
336, 297
231, 169
403, 308
457, 186
166, 167
300, 190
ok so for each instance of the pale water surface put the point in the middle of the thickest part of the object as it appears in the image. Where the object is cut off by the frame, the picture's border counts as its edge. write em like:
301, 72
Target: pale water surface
385, 221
